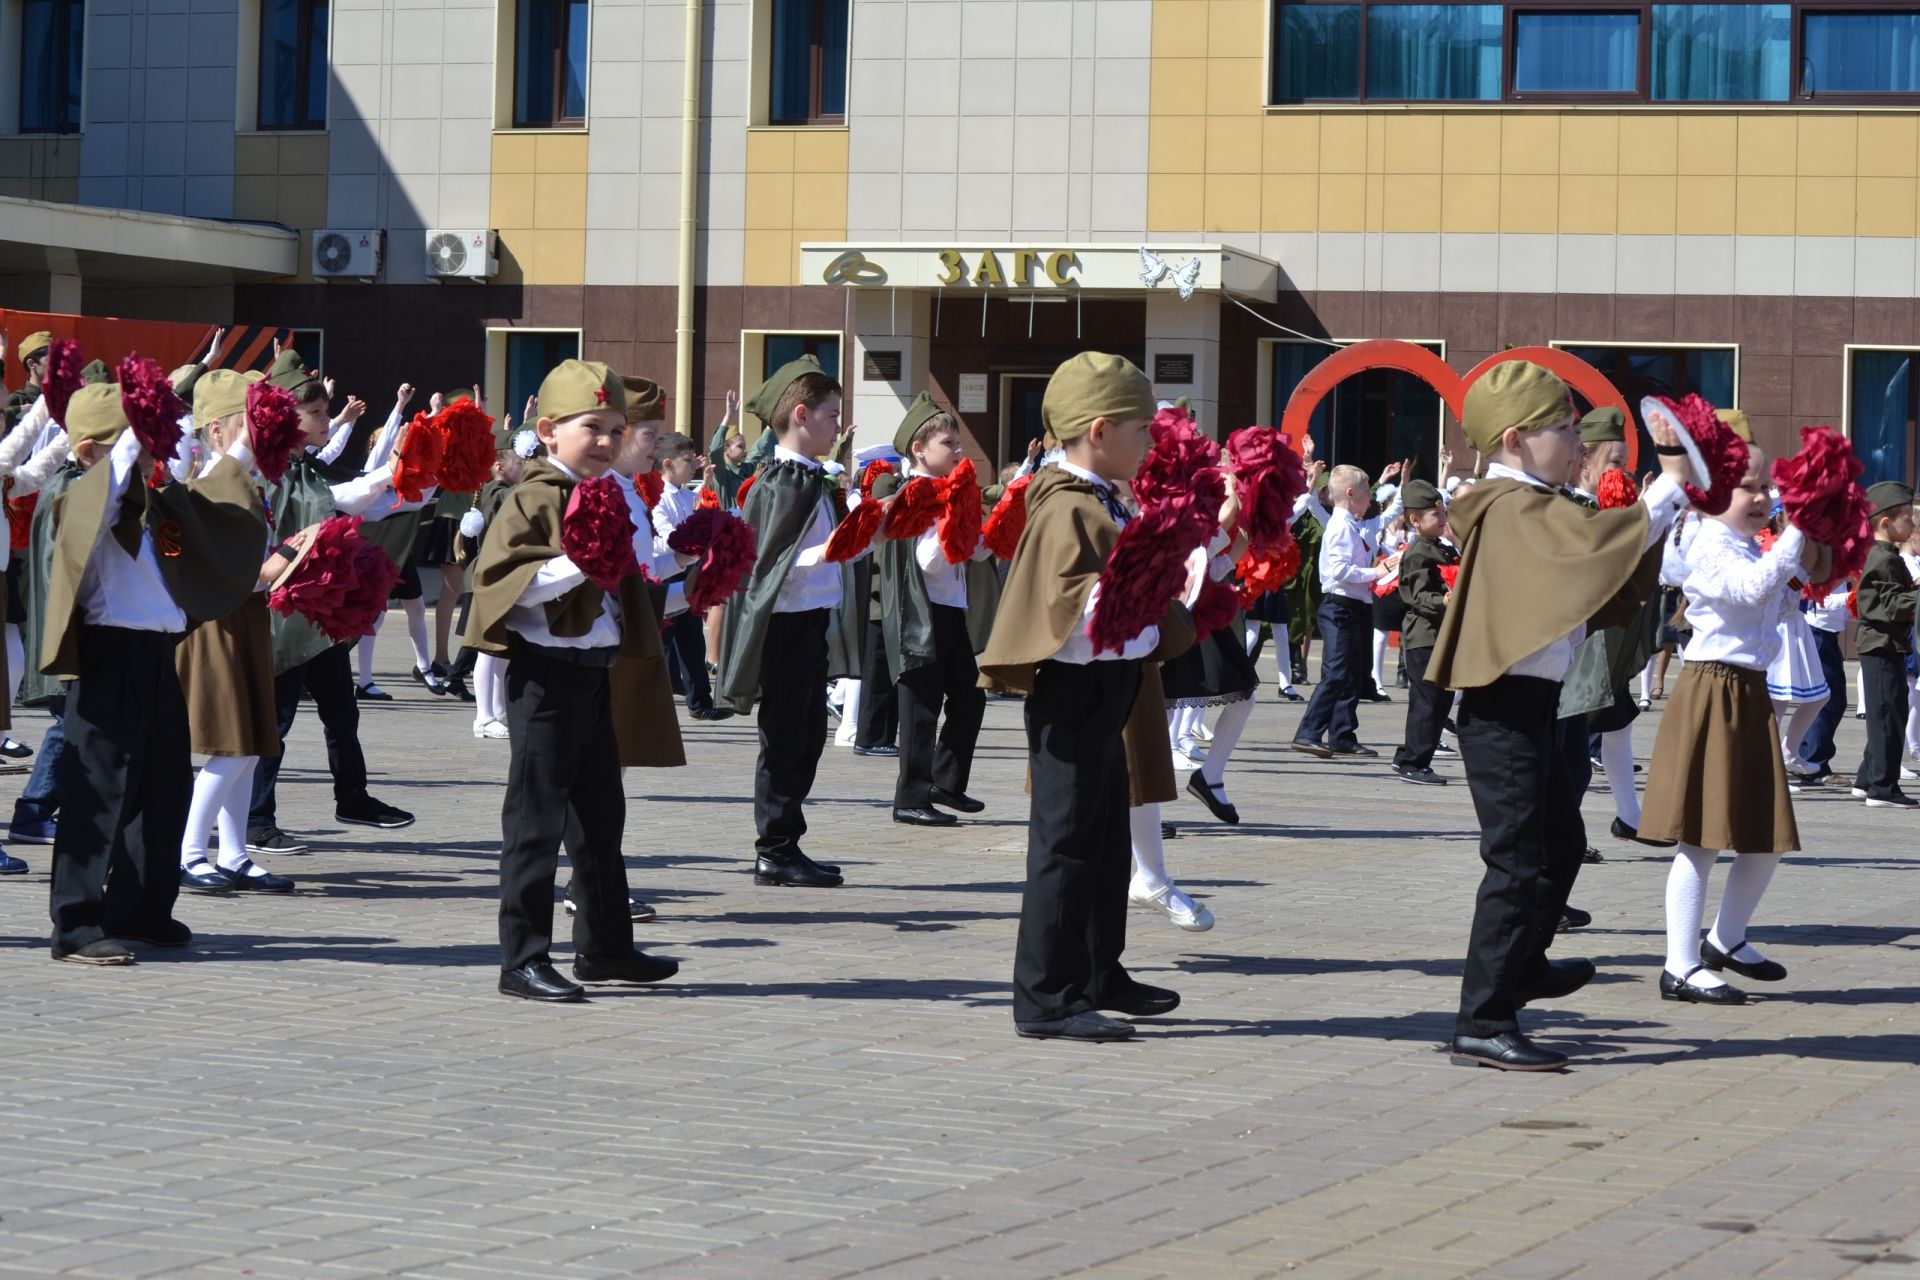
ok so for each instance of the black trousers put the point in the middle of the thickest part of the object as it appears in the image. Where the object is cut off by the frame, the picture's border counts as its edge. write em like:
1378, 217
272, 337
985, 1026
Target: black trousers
328, 680
1817, 747
125, 780
879, 722
944, 760
1531, 840
1427, 708
1883, 676
1346, 640
1073, 916
686, 639
563, 783
793, 728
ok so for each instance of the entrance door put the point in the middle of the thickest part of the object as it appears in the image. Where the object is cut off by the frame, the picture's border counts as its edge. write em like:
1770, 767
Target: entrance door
1020, 424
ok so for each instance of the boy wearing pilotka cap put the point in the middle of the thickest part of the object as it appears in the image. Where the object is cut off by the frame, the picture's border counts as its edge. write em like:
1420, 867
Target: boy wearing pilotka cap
1073, 917
1535, 572
1884, 602
1425, 590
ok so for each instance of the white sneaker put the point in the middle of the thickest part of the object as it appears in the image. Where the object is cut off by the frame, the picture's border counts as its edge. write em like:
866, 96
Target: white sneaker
490, 729
1907, 775
1183, 911
1858, 793
1188, 755
1201, 733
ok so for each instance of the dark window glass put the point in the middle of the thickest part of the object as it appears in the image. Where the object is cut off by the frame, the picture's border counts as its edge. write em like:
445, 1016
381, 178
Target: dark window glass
809, 62
1433, 52
784, 348
1638, 372
1319, 52
51, 59
1722, 52
530, 357
1370, 419
1882, 414
1558, 51
293, 64
1874, 52
550, 63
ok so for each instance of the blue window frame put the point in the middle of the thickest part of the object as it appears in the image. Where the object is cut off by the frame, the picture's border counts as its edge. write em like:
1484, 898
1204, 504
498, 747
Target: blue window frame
1882, 412
785, 348
550, 64
52, 48
1568, 53
809, 62
1722, 52
1860, 53
530, 357
293, 64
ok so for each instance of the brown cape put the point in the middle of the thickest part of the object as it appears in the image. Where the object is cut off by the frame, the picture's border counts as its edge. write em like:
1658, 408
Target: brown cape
1533, 567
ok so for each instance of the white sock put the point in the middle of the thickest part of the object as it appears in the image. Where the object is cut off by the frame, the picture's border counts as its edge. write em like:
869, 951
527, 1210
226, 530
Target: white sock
1686, 904
365, 652
1283, 655
232, 815
213, 787
849, 732
1616, 761
1226, 736
1796, 732
1380, 660
1149, 852
1746, 883
1251, 636
489, 698
1646, 682
416, 611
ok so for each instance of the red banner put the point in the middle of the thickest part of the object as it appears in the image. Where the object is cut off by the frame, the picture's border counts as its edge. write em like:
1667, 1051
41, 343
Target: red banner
171, 343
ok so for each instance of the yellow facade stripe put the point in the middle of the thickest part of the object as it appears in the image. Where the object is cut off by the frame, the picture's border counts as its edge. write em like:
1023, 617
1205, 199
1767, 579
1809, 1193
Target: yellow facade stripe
538, 206
796, 191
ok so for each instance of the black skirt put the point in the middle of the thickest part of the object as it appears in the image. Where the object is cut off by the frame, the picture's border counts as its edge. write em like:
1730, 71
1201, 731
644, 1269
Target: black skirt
433, 545
16, 602
1212, 673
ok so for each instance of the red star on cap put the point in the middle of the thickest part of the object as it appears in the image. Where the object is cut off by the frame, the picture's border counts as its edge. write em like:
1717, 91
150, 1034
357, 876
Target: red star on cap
600, 396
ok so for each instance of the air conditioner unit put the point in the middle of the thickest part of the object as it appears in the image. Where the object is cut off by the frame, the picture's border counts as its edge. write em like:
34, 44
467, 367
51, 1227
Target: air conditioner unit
460, 255
347, 254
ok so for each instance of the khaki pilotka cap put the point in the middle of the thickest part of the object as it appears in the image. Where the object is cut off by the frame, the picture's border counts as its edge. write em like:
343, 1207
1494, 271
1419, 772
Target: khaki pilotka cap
1095, 385
1514, 394
766, 398
1735, 421
220, 393
1889, 495
35, 344
1605, 425
581, 386
646, 399
1419, 495
922, 411
95, 414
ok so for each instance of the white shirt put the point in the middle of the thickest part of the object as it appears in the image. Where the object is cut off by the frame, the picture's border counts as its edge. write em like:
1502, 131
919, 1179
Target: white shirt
528, 617
1078, 650
676, 504
649, 547
1664, 500
1673, 559
372, 496
1737, 598
1830, 614
1346, 558
811, 583
946, 583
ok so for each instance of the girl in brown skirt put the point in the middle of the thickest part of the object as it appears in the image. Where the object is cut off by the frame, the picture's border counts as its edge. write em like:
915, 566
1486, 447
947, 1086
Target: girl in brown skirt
1717, 781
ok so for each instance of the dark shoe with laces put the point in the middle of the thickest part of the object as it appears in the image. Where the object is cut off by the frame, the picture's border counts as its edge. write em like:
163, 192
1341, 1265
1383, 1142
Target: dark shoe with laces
457, 689
1420, 777
1715, 959
1510, 1051
540, 981
961, 803
636, 967
1081, 1026
1574, 918
925, 818
10, 865
1672, 988
1200, 789
368, 812
1354, 749
274, 841
884, 749
1309, 748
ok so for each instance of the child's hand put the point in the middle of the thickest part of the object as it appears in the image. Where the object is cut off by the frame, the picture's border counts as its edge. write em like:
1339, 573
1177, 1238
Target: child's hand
1307, 447
1388, 472
404, 396
1035, 448
733, 406
355, 407
1666, 433
1446, 461
533, 407
434, 404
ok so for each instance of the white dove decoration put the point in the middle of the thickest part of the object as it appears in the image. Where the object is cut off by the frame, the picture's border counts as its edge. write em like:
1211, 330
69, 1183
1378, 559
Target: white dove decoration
1154, 269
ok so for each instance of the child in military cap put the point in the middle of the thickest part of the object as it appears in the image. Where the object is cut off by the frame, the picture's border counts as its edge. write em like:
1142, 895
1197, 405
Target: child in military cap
1425, 591
563, 634
1884, 602
1535, 572
1073, 917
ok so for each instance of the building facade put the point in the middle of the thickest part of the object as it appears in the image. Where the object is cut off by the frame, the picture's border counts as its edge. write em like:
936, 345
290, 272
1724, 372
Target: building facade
1711, 197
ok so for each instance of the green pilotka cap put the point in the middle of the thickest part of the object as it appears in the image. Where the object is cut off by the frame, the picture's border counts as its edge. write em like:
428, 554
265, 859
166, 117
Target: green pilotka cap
1419, 495
1517, 394
766, 398
581, 386
289, 371
94, 373
1095, 385
1605, 425
1889, 495
646, 399
922, 411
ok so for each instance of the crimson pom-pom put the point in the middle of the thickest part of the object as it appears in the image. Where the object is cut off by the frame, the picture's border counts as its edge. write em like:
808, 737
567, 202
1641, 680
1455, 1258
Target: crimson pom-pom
1009, 519
153, 410
651, 486
416, 463
597, 533
341, 585
273, 427
1820, 489
709, 499
740, 494
1449, 574
1269, 477
1617, 490
727, 547
1215, 608
914, 508
467, 449
20, 519
1724, 452
960, 520
1179, 490
1262, 574
62, 377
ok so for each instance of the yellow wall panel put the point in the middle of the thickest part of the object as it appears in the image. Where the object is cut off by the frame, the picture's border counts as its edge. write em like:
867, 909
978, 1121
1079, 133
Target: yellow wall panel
560, 257
1177, 144
1343, 202
767, 259
1647, 204
1289, 202
1376, 144
1180, 28
1823, 206
1649, 144
1343, 144
1470, 143
770, 150
512, 201
1235, 28
1235, 86
820, 151
820, 200
1886, 207
1413, 144
303, 154
1705, 206
1412, 202
1764, 206
1589, 143
1530, 144
1889, 146
1170, 202
1589, 204
560, 202
1470, 202
514, 153
302, 202
561, 152
1232, 202
1828, 145
256, 197
1291, 144
255, 154
1766, 144
1529, 202
1178, 86
1234, 144
1707, 144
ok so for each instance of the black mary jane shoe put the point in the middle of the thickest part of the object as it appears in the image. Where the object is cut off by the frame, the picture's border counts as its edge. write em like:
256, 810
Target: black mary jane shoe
961, 802
245, 880
1574, 918
1510, 1051
795, 871
1217, 805
925, 818
1672, 988
540, 981
1621, 831
1291, 696
1716, 959
203, 877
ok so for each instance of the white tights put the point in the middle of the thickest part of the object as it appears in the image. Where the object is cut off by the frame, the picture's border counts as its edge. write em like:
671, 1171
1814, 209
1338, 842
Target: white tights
1796, 718
489, 687
416, 611
1687, 903
1616, 761
222, 793
1913, 713
1227, 727
1380, 660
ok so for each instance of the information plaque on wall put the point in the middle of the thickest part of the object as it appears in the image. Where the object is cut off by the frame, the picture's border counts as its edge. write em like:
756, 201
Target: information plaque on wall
881, 366
973, 393
1175, 369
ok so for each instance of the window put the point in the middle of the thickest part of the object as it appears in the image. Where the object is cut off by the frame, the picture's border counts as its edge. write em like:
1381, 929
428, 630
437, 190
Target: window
293, 64
784, 348
550, 64
1370, 419
1861, 53
809, 62
51, 49
530, 357
1882, 412
1567, 53
1433, 51
1721, 52
1637, 372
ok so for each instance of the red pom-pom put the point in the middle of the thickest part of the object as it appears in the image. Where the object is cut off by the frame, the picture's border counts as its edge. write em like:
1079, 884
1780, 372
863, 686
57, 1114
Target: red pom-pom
740, 494
1179, 490
709, 499
1264, 574
416, 463
650, 485
914, 509
341, 586
1009, 519
62, 377
1269, 477
871, 476
20, 518
1617, 490
273, 428
1215, 609
1820, 489
467, 448
727, 548
1724, 452
153, 410
1389, 584
597, 533
1449, 574
960, 519
854, 535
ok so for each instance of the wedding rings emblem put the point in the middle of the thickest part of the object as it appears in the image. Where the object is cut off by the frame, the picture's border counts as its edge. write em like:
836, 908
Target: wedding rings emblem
855, 268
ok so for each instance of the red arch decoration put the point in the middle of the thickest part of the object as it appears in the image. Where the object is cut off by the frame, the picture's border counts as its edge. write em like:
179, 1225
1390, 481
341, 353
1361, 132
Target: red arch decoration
1408, 357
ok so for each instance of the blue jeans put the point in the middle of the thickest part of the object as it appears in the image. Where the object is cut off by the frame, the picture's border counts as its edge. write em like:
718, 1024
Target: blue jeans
1817, 746
1346, 636
40, 802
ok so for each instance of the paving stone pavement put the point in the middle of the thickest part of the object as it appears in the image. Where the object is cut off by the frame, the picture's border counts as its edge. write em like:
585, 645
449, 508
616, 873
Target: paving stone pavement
328, 1086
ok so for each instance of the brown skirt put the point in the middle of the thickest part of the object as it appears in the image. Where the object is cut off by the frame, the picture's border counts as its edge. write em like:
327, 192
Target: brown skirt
226, 673
1717, 780
1149, 760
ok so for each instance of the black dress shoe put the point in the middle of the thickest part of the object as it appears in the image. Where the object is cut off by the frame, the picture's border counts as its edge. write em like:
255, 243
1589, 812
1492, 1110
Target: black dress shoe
1420, 777
1138, 1000
540, 981
1575, 918
1291, 696
1510, 1051
1081, 1026
1307, 748
457, 688
963, 803
1621, 831
883, 749
1672, 988
925, 818
637, 967
371, 692
1592, 855
365, 811
169, 935
1716, 959
795, 872
1560, 979
1200, 789
1353, 749
103, 951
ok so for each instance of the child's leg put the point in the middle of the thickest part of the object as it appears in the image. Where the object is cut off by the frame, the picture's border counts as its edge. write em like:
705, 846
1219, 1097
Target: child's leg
1380, 661
365, 650
1646, 681
209, 788
551, 712
1746, 884
1232, 722
1885, 688
793, 729
1149, 851
232, 812
1427, 706
1616, 761
966, 706
416, 610
16, 661
1912, 737
849, 731
1804, 717
919, 692
1283, 656
443, 608
1686, 904
489, 674
1250, 637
